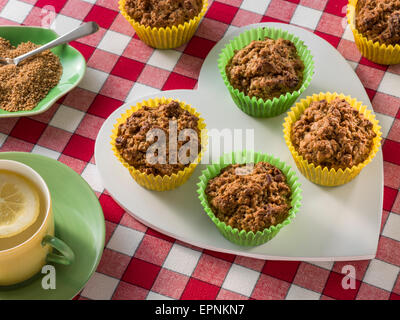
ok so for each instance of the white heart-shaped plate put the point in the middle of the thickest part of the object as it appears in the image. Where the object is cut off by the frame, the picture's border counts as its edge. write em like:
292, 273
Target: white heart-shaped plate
341, 223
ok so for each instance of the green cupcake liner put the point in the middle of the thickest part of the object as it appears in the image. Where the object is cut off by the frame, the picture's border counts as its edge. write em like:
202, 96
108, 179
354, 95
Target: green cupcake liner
241, 237
259, 107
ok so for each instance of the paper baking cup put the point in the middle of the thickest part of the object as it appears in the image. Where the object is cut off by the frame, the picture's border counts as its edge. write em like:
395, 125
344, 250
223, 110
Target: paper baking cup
241, 237
165, 38
150, 181
259, 107
374, 51
322, 175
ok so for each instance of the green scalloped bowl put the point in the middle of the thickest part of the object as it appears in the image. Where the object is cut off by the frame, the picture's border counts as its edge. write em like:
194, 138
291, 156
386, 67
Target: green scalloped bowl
242, 237
74, 65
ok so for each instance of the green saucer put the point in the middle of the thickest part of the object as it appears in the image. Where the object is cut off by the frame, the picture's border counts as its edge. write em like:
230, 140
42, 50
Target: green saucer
73, 63
79, 221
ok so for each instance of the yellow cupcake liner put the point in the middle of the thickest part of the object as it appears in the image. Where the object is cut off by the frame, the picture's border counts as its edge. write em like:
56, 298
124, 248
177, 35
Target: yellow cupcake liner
165, 38
322, 175
150, 181
374, 51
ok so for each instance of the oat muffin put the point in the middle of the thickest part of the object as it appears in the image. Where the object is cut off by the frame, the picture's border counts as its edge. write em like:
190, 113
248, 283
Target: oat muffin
379, 20
134, 139
163, 13
249, 198
266, 69
333, 135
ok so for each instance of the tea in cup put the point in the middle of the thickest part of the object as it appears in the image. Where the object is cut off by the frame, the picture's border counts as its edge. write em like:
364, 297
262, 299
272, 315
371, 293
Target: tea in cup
26, 225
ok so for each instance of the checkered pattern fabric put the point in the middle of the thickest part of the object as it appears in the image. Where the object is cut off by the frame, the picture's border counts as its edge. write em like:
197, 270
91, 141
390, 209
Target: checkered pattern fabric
139, 263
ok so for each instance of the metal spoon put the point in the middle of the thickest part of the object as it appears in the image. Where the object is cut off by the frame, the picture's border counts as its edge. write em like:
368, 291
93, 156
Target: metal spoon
83, 30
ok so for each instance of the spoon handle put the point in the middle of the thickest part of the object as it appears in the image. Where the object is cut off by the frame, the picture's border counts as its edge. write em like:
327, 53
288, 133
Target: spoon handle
83, 30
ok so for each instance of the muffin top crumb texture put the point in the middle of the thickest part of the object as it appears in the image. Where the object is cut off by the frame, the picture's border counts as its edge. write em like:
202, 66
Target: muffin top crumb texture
379, 20
253, 201
266, 69
333, 135
133, 140
163, 13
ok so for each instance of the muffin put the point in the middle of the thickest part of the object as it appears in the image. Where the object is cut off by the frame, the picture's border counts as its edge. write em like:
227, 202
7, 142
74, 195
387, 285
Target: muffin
333, 134
160, 142
376, 28
163, 14
265, 70
331, 137
379, 20
164, 24
249, 202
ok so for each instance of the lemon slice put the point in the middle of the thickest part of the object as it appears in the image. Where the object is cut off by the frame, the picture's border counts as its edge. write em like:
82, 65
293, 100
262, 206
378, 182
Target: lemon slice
19, 204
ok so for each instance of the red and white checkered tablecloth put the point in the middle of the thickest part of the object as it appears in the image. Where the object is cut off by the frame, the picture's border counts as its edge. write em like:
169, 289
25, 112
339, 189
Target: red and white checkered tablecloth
140, 263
